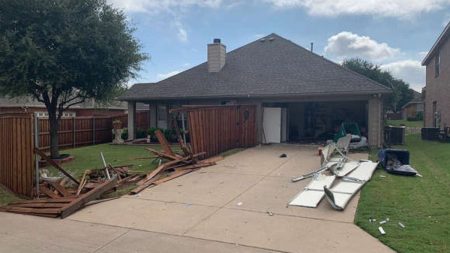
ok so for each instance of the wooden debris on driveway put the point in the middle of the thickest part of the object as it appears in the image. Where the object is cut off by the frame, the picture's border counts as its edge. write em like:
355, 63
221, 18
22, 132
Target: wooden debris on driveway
60, 206
175, 166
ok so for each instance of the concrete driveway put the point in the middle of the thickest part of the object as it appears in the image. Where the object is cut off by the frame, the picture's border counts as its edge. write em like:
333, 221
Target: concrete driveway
223, 208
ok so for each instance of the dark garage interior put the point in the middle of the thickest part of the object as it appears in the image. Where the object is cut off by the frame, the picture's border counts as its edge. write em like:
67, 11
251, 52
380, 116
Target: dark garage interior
319, 121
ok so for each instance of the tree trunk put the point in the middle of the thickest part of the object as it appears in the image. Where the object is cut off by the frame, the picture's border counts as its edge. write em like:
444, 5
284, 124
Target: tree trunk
54, 140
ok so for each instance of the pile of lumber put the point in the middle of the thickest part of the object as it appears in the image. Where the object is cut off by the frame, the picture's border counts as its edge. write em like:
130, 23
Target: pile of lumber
60, 206
59, 198
174, 165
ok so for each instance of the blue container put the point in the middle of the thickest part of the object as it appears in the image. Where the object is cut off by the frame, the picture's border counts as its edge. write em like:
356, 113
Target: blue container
396, 161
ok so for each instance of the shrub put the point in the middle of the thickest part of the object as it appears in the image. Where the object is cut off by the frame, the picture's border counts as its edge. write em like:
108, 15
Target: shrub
125, 134
170, 135
140, 133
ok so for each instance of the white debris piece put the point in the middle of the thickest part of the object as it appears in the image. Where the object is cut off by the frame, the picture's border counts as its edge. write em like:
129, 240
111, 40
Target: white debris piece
381, 230
384, 221
401, 225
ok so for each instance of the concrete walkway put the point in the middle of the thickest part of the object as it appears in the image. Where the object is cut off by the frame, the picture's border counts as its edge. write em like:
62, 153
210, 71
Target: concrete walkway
224, 208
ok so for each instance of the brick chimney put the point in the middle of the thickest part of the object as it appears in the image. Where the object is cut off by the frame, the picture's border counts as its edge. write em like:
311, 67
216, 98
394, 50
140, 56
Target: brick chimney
216, 56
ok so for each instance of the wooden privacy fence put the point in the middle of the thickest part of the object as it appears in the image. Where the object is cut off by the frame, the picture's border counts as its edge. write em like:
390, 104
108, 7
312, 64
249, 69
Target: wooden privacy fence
82, 131
215, 129
17, 164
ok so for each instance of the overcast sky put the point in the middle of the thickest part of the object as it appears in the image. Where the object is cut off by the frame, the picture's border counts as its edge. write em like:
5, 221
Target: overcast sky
395, 34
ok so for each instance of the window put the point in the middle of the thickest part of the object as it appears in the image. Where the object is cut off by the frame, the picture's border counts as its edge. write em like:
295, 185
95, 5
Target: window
162, 112
65, 114
437, 64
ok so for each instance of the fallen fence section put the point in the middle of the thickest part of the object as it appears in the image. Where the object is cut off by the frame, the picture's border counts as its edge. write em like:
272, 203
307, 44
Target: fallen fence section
59, 207
215, 129
175, 166
17, 165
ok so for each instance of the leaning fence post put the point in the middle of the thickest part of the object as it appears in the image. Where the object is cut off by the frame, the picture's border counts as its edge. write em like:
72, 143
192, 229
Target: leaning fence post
36, 145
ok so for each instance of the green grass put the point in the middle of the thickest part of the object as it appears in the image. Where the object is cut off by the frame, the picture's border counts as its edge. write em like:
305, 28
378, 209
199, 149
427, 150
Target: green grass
89, 158
421, 204
6, 196
405, 123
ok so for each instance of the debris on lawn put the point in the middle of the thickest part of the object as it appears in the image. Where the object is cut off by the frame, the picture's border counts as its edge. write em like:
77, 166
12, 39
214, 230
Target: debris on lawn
62, 196
384, 221
401, 225
335, 164
381, 230
396, 161
175, 165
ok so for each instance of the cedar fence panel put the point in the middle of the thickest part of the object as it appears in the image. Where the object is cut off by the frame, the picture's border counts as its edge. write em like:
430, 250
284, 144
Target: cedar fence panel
216, 129
82, 131
17, 165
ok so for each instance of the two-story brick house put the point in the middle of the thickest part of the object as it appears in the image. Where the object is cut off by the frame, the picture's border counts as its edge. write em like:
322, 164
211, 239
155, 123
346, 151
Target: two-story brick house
437, 90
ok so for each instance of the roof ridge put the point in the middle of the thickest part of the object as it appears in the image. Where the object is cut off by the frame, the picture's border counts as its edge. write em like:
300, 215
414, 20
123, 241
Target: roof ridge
338, 65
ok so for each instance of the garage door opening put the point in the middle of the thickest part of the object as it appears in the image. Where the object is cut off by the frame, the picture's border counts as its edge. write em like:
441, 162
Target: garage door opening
319, 121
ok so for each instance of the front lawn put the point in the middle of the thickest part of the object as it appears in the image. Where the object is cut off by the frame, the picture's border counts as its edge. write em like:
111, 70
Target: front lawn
89, 157
421, 204
405, 123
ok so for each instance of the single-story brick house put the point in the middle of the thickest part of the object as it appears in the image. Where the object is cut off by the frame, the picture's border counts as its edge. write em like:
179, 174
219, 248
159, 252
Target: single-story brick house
303, 95
88, 108
413, 108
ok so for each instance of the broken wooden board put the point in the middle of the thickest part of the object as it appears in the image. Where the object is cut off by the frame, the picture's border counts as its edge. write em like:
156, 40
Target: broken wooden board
164, 143
54, 164
313, 193
61, 206
340, 194
87, 197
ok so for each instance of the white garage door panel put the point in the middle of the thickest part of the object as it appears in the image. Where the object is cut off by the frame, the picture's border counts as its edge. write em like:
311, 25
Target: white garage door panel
272, 125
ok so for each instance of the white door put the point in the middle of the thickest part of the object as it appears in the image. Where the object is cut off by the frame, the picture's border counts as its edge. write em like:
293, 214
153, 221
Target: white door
272, 125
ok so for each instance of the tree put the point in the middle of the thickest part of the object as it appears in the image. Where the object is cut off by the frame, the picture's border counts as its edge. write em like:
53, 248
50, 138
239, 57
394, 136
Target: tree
62, 52
401, 93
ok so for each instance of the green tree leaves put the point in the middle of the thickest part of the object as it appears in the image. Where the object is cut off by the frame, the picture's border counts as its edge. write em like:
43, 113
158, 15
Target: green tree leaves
401, 93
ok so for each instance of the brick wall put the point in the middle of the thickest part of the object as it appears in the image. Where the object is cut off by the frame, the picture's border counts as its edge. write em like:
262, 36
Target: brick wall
375, 117
438, 88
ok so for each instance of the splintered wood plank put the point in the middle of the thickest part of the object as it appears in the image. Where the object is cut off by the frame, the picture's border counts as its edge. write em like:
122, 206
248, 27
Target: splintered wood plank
143, 186
48, 192
177, 173
59, 200
26, 210
162, 154
87, 197
40, 205
59, 188
164, 143
54, 164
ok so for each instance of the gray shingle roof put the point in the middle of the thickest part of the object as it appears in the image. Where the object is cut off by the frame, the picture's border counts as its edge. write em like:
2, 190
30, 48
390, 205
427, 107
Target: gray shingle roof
273, 68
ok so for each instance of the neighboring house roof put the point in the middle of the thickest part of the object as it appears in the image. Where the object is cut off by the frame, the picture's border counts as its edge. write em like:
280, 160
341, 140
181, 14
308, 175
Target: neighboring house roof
273, 67
27, 102
440, 40
417, 99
